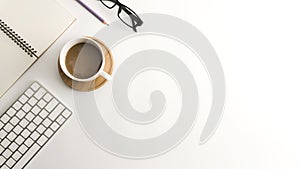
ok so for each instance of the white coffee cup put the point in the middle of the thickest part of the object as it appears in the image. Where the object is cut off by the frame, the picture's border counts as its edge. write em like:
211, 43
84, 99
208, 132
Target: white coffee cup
72, 43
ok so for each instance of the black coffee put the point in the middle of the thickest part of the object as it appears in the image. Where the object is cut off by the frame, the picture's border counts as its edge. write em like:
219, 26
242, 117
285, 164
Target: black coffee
83, 60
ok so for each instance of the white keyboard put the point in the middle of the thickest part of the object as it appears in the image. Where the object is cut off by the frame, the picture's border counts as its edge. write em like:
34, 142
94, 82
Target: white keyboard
28, 125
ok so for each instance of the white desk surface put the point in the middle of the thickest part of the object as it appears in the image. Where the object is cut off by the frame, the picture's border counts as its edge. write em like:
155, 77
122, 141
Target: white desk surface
258, 44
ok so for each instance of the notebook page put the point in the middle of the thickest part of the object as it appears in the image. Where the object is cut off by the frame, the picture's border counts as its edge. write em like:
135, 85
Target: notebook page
13, 62
39, 22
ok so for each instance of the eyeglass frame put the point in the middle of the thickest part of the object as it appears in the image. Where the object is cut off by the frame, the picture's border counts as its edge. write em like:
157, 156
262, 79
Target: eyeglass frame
133, 16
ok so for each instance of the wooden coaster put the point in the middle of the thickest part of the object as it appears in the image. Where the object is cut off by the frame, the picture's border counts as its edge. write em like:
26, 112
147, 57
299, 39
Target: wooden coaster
95, 84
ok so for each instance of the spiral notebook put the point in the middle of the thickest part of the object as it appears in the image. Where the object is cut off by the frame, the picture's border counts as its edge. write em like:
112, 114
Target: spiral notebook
27, 29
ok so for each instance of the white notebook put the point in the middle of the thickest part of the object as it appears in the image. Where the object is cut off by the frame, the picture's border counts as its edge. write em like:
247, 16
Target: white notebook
27, 29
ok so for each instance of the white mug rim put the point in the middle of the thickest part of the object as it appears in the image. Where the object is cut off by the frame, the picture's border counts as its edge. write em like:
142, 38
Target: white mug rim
72, 43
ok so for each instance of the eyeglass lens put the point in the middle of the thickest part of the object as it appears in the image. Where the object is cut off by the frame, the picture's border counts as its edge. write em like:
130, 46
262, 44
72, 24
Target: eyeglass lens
109, 3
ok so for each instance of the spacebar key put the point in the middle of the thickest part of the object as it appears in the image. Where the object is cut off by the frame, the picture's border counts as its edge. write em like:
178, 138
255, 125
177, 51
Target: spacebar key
27, 156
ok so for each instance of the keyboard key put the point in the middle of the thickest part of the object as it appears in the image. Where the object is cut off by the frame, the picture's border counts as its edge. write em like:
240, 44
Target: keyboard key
25, 133
17, 105
4, 167
8, 127
1, 124
35, 86
47, 122
23, 99
42, 103
11, 112
37, 120
1, 150
41, 129
17, 129
13, 147
10, 162
22, 149
7, 153
42, 140
11, 136
21, 114
60, 120
5, 118
24, 123
3, 133
30, 153
29, 92
54, 114
19, 140
16, 156
40, 93
35, 135
32, 101
44, 114
54, 126
14, 121
48, 133
66, 113
2, 160
31, 127
51, 105
29, 116
35, 110
26, 108
5, 143
47, 97
29, 142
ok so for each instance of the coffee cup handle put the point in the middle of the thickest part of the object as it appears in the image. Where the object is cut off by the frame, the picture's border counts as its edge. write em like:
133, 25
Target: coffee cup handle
105, 75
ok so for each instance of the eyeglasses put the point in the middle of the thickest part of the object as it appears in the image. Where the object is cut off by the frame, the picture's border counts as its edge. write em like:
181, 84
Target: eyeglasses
126, 15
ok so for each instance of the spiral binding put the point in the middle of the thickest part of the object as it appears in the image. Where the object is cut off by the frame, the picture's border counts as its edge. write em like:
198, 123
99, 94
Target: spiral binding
17, 39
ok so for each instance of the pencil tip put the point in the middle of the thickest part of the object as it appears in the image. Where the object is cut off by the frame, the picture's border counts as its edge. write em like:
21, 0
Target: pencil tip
106, 23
